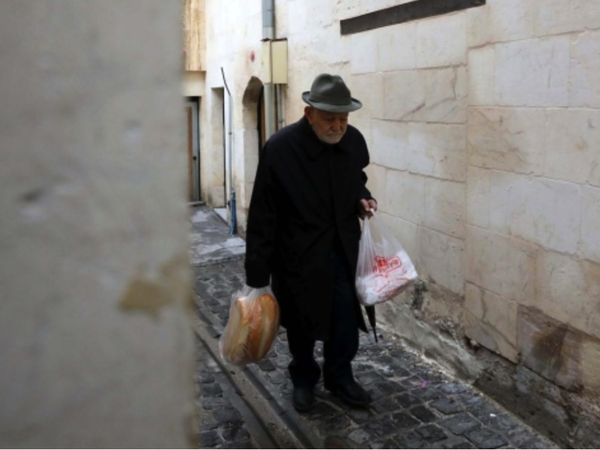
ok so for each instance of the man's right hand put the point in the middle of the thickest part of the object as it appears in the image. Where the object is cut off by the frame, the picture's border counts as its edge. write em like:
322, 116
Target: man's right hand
365, 208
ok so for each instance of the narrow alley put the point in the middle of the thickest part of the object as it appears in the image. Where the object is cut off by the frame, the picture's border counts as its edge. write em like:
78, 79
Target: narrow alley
416, 405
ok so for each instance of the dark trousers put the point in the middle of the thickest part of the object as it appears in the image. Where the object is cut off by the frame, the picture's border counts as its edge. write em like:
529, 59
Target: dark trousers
341, 347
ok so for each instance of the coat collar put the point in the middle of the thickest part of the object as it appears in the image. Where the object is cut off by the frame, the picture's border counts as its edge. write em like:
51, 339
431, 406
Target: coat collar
315, 147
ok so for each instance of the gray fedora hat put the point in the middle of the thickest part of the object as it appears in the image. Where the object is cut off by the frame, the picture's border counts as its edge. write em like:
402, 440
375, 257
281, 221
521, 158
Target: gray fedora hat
330, 93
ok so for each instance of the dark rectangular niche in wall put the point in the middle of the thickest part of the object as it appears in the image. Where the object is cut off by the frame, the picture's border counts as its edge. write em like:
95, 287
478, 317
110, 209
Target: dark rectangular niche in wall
418, 9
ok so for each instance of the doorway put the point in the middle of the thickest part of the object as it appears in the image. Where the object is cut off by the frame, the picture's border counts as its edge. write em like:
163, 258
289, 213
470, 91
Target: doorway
192, 109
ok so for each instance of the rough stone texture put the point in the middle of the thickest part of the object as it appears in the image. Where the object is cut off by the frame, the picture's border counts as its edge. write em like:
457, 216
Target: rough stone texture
501, 265
550, 349
564, 16
441, 41
564, 417
438, 150
507, 139
368, 85
585, 88
397, 48
492, 321
510, 20
481, 76
523, 208
478, 26
590, 247
434, 95
408, 85
405, 316
94, 320
574, 134
443, 207
501, 21
559, 277
443, 259
590, 367
390, 145
533, 72
410, 206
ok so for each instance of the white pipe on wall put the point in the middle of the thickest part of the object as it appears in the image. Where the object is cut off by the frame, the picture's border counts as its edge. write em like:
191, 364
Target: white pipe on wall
229, 128
280, 114
268, 14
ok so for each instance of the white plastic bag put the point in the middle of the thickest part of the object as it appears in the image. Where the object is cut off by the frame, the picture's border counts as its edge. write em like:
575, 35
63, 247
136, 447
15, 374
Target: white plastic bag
252, 326
384, 269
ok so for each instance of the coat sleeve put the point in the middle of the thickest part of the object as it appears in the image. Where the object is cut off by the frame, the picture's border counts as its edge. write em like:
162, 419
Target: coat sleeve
364, 192
261, 227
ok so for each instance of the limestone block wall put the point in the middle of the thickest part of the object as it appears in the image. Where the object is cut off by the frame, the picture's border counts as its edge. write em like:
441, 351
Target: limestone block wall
414, 80
96, 344
533, 197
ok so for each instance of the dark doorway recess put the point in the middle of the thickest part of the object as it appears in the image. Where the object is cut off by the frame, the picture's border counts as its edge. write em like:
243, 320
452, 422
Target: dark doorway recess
418, 9
260, 113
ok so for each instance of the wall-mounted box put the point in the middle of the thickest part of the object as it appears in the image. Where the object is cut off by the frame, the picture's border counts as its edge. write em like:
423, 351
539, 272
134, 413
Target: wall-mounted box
279, 61
275, 61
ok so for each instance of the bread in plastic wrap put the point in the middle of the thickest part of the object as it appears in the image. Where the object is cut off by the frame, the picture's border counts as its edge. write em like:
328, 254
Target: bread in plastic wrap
251, 328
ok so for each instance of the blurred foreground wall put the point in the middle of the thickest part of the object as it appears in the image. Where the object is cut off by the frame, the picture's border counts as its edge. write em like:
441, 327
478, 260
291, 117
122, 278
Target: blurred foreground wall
95, 346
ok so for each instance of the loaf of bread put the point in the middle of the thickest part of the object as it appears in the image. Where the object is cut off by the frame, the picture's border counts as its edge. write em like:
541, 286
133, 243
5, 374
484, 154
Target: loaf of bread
251, 329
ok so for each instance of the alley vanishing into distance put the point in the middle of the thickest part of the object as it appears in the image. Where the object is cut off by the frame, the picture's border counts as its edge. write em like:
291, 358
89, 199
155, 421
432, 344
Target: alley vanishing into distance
415, 404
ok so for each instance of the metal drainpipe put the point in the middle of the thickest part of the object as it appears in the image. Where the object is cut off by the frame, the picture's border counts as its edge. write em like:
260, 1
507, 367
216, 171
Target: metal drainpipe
280, 116
232, 201
268, 14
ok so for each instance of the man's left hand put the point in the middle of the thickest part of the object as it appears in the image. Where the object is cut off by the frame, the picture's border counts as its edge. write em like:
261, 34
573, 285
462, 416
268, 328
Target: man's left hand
365, 208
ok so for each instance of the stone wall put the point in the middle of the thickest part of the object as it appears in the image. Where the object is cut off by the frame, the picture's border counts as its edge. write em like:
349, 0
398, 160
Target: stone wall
96, 344
483, 131
194, 36
533, 197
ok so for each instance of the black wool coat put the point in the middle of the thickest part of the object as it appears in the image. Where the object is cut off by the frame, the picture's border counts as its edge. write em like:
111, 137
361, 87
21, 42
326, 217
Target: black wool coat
305, 194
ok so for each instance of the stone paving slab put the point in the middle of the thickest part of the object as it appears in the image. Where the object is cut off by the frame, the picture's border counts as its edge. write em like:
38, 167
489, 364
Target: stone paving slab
415, 405
210, 241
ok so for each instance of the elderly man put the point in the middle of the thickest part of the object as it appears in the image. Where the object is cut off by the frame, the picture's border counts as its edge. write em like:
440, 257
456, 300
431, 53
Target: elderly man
303, 234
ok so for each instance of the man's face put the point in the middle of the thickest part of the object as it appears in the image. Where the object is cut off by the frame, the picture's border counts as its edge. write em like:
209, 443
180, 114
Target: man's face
328, 126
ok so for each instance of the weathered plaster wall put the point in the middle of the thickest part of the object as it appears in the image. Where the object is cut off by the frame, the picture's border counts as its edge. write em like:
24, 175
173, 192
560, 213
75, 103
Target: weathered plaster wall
96, 347
194, 35
234, 31
194, 84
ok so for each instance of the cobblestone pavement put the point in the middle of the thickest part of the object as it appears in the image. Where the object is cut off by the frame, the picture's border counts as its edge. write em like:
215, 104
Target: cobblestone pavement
209, 239
415, 405
222, 423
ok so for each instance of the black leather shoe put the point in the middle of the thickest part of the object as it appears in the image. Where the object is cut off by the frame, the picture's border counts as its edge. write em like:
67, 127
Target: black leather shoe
353, 393
303, 399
